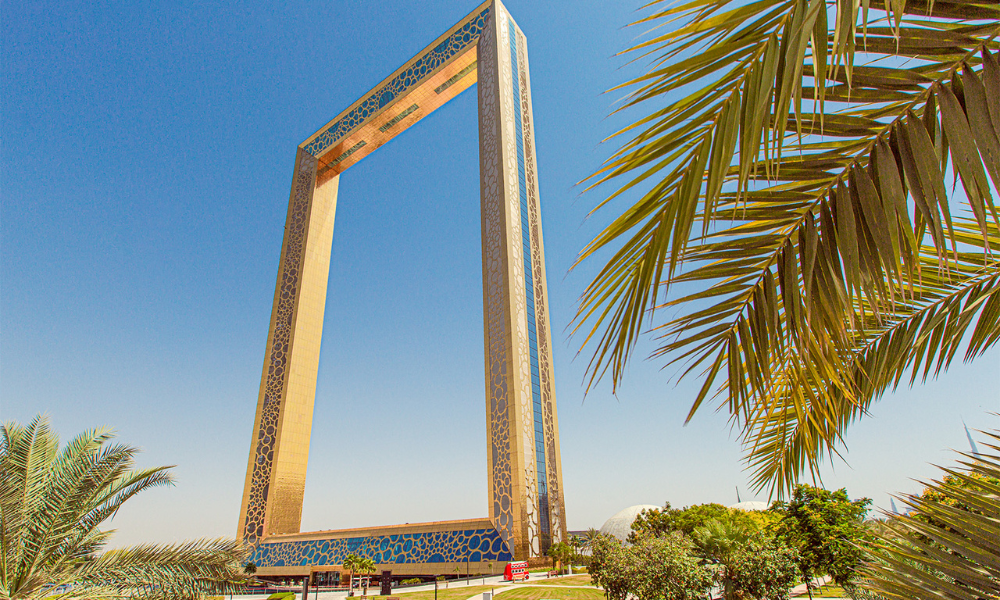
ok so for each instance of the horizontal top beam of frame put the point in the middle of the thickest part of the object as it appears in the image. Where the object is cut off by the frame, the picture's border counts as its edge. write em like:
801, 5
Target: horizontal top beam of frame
437, 74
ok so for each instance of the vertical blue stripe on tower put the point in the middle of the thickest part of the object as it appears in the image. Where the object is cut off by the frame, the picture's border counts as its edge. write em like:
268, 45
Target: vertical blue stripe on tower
529, 290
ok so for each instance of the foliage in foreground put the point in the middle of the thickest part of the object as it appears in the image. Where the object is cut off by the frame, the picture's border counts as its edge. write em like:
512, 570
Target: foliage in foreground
652, 568
949, 546
52, 504
790, 174
670, 567
763, 567
690, 518
828, 530
817, 532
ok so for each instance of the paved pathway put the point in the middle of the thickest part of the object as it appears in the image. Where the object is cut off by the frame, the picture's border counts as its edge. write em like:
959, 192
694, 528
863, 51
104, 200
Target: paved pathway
496, 580
501, 586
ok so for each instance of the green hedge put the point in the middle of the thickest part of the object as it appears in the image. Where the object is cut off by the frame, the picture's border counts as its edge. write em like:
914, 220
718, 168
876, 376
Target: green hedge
282, 596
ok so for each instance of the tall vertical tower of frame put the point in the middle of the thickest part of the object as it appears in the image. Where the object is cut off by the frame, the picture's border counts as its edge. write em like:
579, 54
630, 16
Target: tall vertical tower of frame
526, 509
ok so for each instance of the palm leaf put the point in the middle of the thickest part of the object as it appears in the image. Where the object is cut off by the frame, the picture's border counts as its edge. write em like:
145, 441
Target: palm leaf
947, 547
52, 504
801, 186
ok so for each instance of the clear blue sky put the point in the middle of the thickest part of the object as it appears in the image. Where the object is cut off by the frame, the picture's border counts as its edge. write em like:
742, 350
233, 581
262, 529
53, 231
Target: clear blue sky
145, 164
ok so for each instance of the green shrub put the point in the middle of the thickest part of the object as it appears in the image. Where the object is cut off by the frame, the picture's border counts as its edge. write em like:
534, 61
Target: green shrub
761, 568
653, 568
282, 596
415, 580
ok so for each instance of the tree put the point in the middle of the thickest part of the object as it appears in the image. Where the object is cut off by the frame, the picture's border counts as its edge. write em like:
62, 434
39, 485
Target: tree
576, 544
654, 522
827, 529
666, 569
717, 539
652, 568
757, 520
788, 174
366, 566
561, 553
947, 546
698, 515
762, 568
688, 519
52, 505
611, 567
352, 563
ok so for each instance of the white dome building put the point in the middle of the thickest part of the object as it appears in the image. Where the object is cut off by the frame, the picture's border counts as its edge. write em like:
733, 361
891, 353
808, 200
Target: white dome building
751, 505
620, 524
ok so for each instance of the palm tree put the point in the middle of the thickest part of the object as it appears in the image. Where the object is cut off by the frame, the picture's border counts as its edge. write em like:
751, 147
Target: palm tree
352, 563
561, 554
797, 198
52, 504
716, 539
365, 566
577, 544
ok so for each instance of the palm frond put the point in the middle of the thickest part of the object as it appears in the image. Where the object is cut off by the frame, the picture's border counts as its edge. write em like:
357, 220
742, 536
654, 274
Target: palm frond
187, 570
947, 547
52, 503
801, 184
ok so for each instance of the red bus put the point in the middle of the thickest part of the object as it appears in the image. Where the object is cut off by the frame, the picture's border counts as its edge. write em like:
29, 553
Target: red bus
516, 571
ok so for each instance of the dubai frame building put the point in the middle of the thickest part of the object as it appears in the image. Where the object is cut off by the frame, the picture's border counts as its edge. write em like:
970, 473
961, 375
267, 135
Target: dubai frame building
526, 508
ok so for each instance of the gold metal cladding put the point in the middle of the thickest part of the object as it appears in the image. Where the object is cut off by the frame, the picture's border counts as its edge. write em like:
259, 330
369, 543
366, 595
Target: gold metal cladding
515, 307
516, 502
279, 449
424, 97
556, 501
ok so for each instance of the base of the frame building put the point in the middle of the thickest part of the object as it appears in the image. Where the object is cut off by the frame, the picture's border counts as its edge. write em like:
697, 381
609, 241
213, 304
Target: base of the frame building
474, 546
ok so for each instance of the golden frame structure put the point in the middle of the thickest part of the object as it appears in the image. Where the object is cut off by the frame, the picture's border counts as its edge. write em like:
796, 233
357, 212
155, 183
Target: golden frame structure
526, 508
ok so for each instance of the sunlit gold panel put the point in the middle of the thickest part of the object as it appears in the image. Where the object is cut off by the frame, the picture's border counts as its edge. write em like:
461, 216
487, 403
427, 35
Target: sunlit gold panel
412, 107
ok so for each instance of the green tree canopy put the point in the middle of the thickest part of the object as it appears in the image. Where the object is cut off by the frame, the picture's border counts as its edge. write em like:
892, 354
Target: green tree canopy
827, 529
762, 567
652, 568
689, 518
716, 540
52, 505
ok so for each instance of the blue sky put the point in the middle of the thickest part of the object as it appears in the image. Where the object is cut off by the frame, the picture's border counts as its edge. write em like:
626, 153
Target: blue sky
146, 157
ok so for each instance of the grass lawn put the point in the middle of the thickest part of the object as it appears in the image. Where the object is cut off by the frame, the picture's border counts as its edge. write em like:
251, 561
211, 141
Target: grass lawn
458, 591
571, 580
555, 593
827, 591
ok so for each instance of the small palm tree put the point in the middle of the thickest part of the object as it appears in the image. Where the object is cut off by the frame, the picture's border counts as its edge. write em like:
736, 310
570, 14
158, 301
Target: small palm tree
366, 566
716, 539
52, 504
561, 553
351, 563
